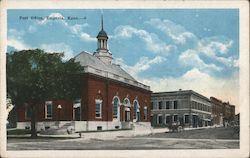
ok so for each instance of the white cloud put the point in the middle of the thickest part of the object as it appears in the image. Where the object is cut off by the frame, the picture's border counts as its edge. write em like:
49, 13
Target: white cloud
17, 44
153, 43
76, 29
200, 82
213, 46
15, 40
87, 38
32, 29
191, 58
142, 65
58, 48
176, 32
210, 46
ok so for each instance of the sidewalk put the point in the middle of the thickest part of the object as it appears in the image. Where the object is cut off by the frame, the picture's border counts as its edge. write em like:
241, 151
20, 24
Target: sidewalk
108, 135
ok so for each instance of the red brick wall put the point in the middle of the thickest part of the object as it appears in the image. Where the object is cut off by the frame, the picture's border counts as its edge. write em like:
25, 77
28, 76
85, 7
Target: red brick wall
108, 89
64, 114
95, 86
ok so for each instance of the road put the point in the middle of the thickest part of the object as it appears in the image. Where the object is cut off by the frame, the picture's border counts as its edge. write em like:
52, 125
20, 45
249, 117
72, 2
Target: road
196, 139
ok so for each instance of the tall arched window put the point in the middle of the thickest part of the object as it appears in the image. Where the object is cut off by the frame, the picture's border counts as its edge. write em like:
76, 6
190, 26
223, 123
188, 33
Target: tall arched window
115, 109
136, 115
116, 103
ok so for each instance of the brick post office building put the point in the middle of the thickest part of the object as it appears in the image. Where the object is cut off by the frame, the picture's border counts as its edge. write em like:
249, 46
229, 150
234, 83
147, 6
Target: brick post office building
187, 107
111, 98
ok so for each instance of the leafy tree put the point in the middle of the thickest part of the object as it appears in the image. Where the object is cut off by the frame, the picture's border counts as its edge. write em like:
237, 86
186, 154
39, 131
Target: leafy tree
34, 76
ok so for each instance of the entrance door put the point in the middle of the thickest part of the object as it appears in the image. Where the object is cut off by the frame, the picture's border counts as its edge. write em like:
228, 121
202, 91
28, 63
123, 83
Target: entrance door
77, 114
127, 115
138, 117
195, 121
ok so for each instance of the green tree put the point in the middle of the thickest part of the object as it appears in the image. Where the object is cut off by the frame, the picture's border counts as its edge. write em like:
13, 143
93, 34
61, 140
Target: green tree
34, 76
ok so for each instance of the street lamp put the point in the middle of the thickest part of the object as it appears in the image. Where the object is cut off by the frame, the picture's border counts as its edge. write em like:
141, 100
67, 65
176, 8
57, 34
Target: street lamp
59, 107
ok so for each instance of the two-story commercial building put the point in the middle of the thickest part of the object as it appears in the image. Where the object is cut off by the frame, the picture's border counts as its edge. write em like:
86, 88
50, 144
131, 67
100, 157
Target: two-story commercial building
188, 108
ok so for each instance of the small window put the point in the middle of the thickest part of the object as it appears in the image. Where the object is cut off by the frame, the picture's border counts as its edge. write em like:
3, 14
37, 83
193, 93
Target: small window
98, 108
175, 104
167, 104
99, 128
48, 109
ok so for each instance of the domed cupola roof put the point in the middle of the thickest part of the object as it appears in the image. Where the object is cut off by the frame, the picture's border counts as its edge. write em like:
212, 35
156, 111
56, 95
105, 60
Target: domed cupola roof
102, 33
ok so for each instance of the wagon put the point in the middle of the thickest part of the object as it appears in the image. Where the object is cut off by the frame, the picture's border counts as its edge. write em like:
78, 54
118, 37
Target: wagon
175, 127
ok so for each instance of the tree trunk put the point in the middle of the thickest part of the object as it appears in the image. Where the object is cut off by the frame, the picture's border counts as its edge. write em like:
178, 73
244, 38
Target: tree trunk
33, 121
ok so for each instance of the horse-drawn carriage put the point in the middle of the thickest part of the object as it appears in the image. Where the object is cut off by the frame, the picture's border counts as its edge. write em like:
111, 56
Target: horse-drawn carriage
175, 127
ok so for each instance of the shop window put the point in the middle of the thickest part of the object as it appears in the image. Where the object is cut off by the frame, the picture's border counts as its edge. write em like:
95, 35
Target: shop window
186, 118
168, 119
160, 119
175, 118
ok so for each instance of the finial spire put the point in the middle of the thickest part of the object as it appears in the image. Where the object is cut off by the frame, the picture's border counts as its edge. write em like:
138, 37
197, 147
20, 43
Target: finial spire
102, 22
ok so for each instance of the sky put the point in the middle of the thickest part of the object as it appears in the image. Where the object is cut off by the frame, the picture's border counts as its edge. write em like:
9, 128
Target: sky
167, 49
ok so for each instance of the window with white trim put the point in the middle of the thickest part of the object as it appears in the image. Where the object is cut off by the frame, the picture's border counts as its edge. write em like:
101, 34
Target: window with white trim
126, 102
135, 109
115, 110
145, 112
98, 108
48, 109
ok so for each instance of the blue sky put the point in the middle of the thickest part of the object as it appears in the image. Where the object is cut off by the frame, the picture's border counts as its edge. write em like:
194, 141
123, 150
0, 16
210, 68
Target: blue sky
167, 49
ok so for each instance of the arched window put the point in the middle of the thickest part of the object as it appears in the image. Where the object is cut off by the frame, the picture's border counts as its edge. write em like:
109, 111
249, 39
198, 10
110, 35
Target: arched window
136, 112
126, 102
116, 103
127, 105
